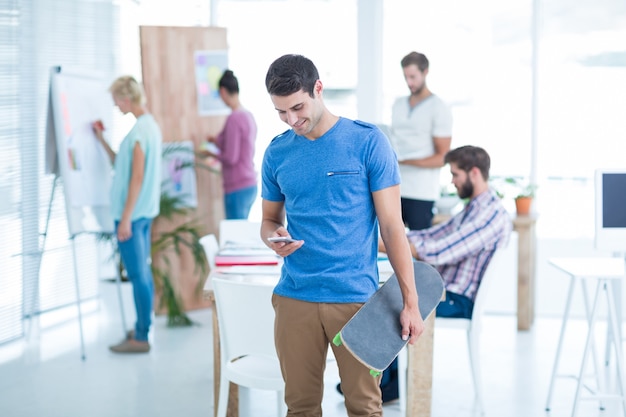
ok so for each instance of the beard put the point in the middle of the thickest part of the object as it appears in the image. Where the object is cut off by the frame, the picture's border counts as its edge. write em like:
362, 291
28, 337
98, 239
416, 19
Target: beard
466, 190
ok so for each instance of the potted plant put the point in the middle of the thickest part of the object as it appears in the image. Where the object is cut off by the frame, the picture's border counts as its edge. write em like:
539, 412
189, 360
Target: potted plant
176, 234
524, 195
168, 242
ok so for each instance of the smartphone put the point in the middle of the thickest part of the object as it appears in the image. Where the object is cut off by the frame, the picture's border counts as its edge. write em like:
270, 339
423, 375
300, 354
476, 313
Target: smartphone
281, 239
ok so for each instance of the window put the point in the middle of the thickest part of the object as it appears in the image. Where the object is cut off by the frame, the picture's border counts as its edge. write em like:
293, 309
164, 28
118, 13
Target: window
36, 35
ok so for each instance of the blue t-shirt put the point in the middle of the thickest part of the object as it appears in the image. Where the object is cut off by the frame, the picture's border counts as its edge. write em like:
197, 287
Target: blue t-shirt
147, 133
326, 185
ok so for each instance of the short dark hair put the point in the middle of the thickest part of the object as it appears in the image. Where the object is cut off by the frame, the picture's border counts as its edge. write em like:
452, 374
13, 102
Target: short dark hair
468, 157
229, 82
415, 58
290, 74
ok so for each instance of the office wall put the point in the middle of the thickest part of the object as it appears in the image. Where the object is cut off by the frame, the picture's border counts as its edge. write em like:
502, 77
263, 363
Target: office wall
168, 68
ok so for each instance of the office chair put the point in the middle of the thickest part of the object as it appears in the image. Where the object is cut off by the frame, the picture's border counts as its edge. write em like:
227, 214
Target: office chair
240, 232
246, 328
211, 247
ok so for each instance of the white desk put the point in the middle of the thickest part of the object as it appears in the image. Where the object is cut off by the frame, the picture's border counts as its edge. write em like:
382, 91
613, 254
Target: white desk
591, 267
606, 272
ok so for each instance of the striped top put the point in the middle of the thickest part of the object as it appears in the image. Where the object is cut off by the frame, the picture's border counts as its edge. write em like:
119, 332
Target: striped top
462, 247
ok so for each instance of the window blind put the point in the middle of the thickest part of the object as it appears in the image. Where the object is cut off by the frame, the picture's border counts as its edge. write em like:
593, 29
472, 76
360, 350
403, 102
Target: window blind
36, 35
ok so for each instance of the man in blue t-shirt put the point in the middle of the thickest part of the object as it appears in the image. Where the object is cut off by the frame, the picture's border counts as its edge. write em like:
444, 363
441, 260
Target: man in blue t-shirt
331, 184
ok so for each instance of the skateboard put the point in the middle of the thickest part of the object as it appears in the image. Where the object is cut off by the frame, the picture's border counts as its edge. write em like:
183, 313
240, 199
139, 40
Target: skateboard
373, 334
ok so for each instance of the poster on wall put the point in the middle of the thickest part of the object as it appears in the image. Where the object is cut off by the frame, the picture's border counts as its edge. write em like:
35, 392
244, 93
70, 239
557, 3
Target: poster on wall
209, 67
178, 178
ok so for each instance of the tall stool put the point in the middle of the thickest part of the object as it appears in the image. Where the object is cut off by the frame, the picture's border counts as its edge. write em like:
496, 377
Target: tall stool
607, 273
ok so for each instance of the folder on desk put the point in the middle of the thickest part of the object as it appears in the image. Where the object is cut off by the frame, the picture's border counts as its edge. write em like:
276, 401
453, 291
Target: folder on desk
230, 260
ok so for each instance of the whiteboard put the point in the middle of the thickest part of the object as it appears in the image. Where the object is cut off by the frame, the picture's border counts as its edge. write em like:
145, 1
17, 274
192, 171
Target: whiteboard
75, 101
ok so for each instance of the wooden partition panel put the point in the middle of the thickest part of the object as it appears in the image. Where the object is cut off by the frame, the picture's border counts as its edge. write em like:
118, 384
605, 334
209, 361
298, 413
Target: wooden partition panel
168, 72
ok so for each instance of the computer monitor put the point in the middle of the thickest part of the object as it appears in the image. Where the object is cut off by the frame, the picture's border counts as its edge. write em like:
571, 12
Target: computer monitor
610, 213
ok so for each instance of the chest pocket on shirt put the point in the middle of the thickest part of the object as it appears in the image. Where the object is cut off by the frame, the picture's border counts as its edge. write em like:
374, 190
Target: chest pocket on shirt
344, 187
345, 178
341, 173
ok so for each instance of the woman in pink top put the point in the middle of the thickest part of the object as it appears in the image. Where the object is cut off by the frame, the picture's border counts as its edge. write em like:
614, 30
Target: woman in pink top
236, 151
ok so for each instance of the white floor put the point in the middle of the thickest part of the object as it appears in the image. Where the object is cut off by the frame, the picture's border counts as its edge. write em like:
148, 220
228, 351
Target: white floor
43, 375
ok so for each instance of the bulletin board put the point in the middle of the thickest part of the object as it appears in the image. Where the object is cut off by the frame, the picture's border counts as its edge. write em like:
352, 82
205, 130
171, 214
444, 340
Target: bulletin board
209, 67
178, 179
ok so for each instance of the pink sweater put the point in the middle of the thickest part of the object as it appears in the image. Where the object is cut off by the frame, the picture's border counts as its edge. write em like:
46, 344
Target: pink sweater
236, 143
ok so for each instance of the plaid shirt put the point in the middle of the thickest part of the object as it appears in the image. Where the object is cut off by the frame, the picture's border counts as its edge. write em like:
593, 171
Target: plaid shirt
462, 247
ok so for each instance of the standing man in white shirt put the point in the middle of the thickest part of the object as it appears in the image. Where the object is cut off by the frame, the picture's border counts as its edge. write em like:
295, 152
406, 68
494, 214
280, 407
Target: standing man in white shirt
421, 134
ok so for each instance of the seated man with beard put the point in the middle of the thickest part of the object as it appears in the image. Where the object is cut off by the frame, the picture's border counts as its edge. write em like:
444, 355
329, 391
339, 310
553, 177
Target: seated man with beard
462, 247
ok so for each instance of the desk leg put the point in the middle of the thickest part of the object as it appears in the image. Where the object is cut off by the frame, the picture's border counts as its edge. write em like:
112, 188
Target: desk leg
526, 278
559, 346
588, 344
617, 291
616, 333
233, 392
420, 372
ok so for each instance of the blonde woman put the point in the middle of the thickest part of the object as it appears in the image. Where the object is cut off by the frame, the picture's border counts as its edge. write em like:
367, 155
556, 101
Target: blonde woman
135, 195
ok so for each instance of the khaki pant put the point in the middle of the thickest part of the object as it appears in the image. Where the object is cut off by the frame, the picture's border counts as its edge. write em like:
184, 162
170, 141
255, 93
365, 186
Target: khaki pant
303, 332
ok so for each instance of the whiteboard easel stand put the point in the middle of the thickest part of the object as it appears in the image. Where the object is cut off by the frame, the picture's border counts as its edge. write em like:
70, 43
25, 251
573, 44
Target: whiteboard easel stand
35, 291
68, 141
41, 251
118, 277
80, 314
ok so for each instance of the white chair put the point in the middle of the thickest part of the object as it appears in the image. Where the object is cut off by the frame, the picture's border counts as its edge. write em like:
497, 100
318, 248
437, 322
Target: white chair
211, 247
471, 326
240, 232
246, 328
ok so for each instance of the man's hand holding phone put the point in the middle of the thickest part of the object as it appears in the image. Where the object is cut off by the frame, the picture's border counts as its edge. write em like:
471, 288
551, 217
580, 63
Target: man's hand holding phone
284, 245
285, 239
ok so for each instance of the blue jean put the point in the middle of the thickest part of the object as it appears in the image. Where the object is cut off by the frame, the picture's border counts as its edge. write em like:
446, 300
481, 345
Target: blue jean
455, 305
135, 253
238, 203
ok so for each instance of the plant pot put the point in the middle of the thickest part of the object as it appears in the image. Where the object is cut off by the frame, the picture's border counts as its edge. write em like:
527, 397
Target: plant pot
523, 205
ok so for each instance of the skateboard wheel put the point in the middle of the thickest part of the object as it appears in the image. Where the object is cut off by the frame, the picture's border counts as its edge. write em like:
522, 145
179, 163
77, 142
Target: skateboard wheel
337, 339
374, 373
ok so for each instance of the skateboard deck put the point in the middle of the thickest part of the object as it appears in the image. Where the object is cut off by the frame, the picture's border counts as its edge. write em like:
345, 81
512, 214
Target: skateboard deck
373, 334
